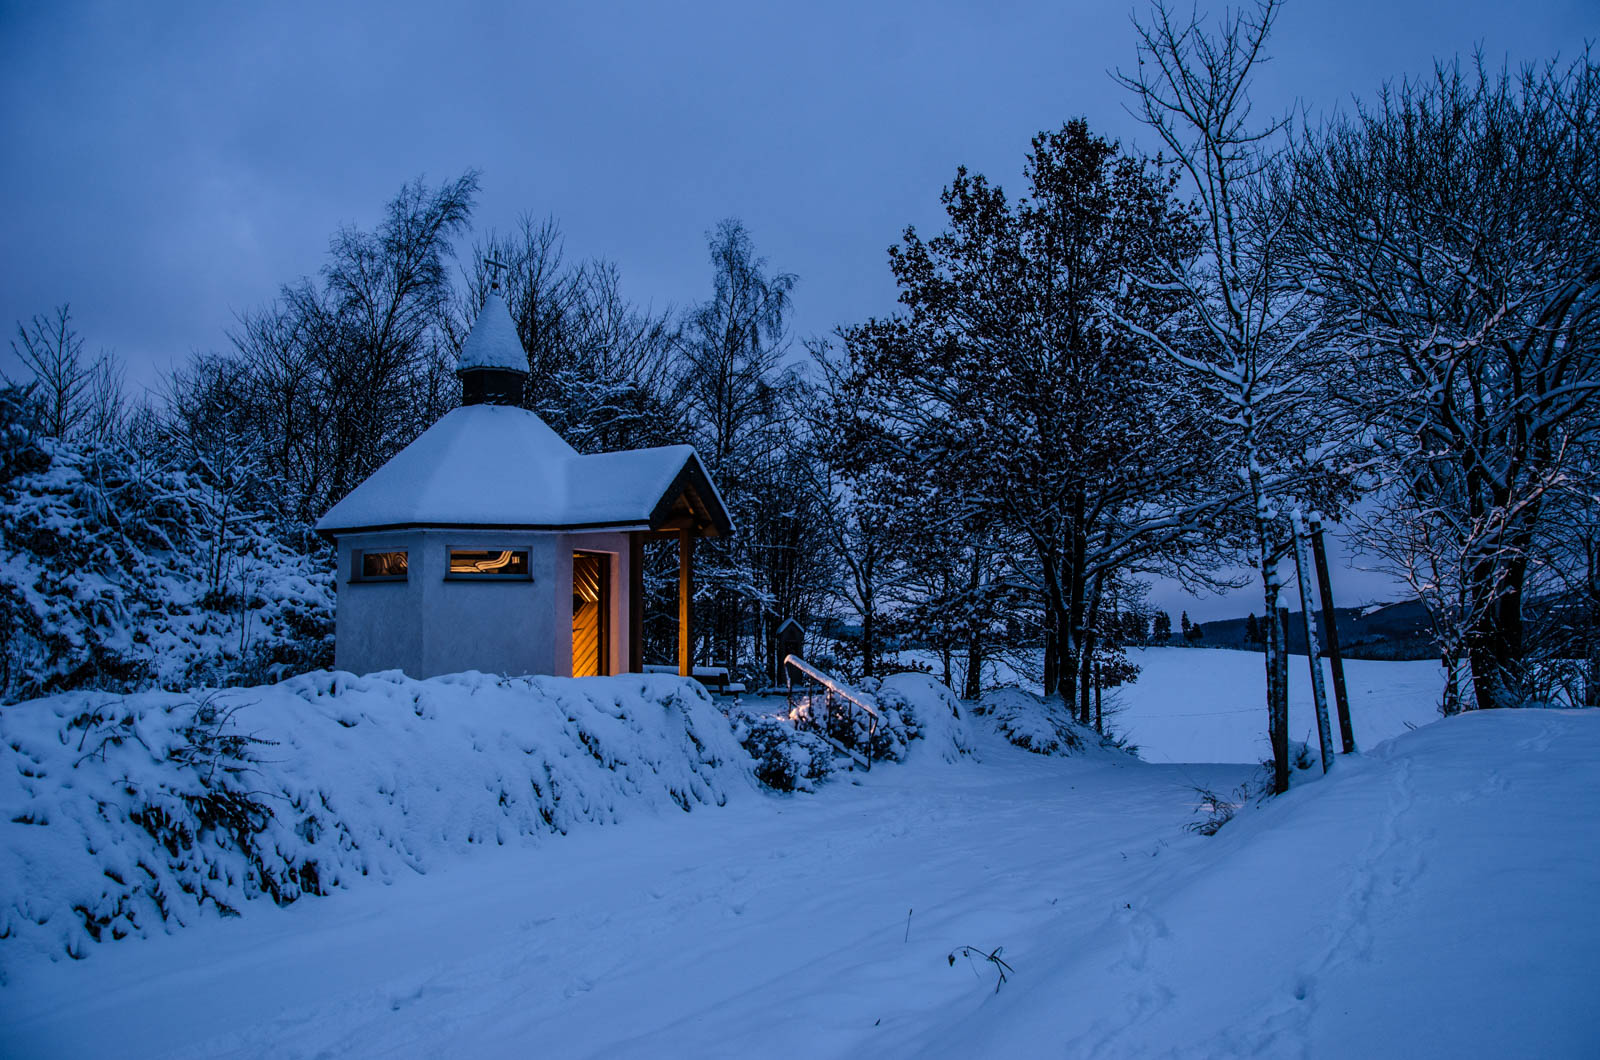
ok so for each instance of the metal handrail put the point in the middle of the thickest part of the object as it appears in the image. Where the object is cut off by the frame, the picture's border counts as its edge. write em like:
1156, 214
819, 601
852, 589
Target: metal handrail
838, 688
828, 681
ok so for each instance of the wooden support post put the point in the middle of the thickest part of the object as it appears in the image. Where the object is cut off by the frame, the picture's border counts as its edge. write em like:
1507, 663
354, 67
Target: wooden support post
1308, 614
636, 603
1341, 697
685, 600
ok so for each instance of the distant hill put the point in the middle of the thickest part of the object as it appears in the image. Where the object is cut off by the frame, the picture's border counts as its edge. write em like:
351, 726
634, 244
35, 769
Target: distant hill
1377, 631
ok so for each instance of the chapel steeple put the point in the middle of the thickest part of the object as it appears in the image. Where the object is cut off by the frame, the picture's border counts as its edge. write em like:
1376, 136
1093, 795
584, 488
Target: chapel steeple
493, 365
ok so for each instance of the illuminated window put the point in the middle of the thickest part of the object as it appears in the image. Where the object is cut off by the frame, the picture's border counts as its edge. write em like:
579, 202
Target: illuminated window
489, 563
380, 567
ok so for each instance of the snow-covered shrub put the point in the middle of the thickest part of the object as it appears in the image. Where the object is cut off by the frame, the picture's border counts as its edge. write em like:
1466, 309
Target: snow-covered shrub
787, 758
110, 580
128, 814
881, 740
929, 711
1043, 726
1031, 723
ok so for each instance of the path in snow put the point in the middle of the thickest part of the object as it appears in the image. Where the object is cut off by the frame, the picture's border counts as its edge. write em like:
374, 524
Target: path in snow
1433, 899
773, 926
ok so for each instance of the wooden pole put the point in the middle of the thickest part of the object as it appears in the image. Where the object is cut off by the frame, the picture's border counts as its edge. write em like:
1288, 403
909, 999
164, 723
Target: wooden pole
636, 603
1277, 658
1341, 697
685, 598
1308, 614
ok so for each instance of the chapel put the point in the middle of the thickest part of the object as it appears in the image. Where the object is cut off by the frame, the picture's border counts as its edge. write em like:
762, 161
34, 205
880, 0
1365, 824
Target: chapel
491, 544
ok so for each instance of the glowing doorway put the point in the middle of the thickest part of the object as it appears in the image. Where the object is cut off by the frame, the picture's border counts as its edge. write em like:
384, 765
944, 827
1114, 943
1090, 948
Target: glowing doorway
591, 615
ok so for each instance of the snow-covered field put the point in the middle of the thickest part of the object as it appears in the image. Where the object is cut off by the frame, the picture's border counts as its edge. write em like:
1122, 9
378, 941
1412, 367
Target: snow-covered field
1431, 898
1208, 705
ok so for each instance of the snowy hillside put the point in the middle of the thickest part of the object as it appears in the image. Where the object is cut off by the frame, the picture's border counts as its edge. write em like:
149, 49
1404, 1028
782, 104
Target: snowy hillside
1433, 899
1430, 899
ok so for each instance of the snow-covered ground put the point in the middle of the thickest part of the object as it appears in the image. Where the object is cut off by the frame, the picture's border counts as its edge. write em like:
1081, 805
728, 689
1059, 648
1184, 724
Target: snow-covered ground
1208, 705
1431, 898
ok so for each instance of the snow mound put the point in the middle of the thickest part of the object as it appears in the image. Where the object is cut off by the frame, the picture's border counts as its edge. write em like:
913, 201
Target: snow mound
129, 814
930, 711
1043, 726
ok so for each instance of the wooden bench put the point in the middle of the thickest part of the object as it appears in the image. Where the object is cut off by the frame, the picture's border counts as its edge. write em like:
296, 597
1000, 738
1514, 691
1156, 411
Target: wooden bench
717, 679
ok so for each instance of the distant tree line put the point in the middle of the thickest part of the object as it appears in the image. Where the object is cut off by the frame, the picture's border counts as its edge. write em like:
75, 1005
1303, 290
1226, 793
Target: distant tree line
1135, 368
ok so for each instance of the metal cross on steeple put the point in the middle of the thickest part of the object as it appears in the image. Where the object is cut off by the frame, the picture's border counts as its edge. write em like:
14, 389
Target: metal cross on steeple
494, 272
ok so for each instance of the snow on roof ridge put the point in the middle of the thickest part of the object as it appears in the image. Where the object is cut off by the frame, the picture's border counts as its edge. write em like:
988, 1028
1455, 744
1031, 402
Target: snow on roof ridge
502, 465
493, 341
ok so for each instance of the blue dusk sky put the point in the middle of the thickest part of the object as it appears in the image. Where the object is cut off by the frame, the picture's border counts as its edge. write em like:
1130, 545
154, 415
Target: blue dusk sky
170, 165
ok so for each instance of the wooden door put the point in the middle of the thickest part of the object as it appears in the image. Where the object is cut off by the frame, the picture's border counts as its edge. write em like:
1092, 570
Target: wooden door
591, 615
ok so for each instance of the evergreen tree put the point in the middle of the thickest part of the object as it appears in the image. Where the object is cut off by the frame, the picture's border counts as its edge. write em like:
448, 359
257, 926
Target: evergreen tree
1163, 627
1011, 381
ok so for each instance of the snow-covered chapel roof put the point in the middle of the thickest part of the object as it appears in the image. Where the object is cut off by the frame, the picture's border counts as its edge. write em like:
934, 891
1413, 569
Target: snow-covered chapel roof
493, 341
499, 466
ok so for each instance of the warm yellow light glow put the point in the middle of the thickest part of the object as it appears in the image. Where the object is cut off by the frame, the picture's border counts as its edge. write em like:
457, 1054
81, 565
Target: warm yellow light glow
491, 561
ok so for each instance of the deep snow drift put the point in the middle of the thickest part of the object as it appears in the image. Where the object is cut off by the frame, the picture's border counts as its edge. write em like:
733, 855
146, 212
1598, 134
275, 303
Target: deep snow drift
124, 813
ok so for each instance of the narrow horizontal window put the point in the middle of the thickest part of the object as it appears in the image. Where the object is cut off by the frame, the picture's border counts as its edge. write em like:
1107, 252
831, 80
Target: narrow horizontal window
489, 563
380, 567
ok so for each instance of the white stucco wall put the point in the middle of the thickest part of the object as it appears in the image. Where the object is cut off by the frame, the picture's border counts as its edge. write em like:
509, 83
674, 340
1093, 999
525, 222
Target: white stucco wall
429, 625
377, 625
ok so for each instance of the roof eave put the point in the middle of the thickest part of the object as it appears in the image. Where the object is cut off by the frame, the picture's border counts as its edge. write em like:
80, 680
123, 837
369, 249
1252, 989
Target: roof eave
332, 533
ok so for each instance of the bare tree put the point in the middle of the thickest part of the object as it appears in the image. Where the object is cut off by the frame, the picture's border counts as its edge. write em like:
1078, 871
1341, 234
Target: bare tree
1451, 234
78, 398
1252, 324
346, 372
738, 401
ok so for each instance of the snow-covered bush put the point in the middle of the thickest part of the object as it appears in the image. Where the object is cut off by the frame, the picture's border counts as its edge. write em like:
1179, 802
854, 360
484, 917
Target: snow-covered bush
786, 758
1043, 726
117, 573
128, 814
929, 711
881, 740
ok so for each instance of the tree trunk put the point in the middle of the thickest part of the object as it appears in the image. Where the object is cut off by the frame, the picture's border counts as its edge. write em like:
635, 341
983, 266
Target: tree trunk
1099, 712
869, 645
1451, 704
1494, 639
1050, 677
1277, 656
1086, 649
973, 686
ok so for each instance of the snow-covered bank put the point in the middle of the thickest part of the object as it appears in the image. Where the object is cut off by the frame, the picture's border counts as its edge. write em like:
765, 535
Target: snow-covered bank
1430, 899
124, 814
1434, 899
1209, 704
